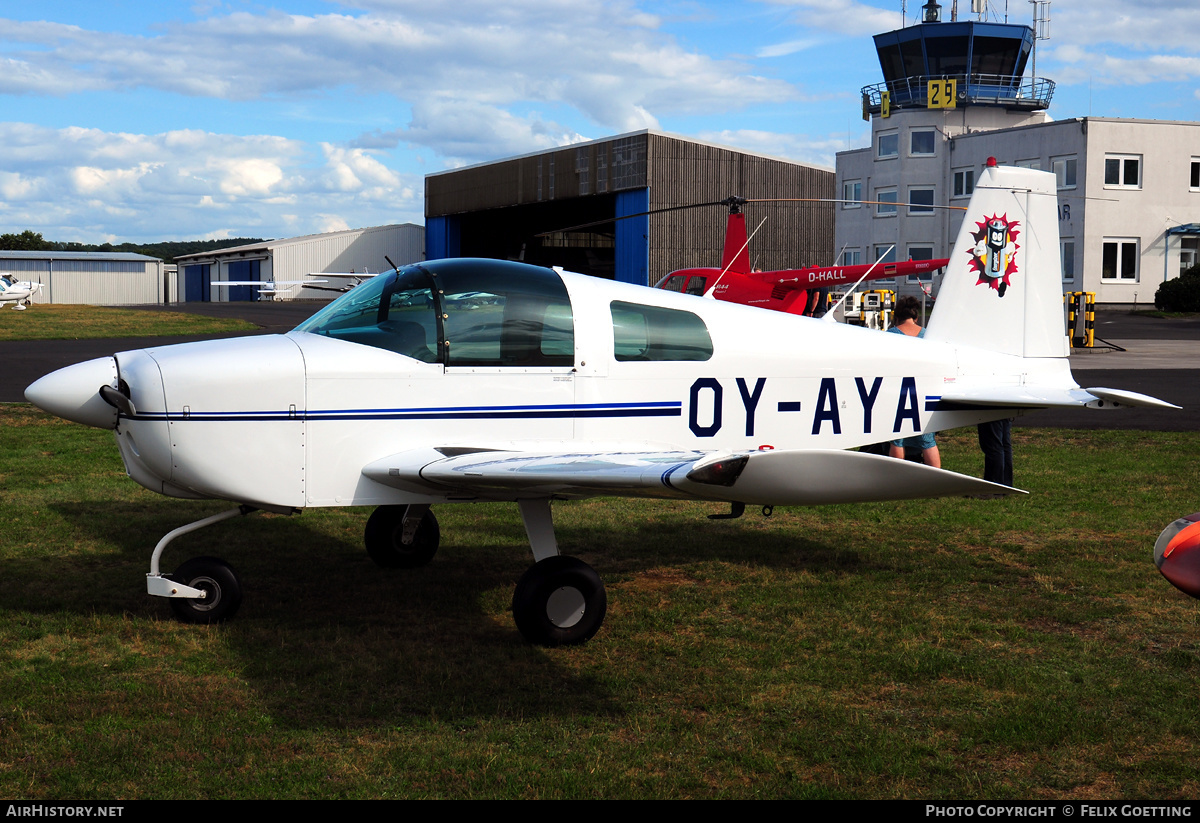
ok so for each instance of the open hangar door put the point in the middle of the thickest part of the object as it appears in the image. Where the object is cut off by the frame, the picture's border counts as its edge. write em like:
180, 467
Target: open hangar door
511, 234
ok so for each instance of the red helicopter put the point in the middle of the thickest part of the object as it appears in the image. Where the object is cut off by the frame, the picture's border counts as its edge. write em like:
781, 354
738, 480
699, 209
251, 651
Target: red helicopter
785, 290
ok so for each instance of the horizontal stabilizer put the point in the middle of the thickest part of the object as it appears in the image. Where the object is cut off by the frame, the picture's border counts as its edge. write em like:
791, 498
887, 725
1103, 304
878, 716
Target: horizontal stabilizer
1042, 397
803, 478
1117, 397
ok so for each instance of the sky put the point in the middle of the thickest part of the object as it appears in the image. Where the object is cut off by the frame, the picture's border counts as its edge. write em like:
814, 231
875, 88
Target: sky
147, 120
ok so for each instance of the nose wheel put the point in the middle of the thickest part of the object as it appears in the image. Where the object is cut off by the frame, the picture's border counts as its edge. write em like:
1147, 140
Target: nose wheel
559, 601
219, 584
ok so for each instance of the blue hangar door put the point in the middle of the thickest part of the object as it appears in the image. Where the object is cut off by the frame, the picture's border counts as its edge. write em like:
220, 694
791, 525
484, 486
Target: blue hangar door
197, 283
244, 270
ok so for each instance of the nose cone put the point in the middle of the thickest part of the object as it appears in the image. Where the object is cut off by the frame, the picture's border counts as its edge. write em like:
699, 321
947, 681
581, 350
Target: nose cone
73, 393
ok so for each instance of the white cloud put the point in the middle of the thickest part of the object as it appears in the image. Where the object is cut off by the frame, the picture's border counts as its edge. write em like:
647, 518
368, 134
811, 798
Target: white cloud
784, 49
846, 17
472, 132
83, 184
608, 61
802, 148
1146, 25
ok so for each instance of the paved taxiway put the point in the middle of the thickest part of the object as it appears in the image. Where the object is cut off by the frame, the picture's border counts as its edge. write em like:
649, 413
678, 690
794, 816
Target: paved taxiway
1159, 357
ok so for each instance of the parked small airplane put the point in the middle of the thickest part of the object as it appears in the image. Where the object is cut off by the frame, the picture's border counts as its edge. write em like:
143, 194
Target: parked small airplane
18, 292
544, 385
315, 281
785, 290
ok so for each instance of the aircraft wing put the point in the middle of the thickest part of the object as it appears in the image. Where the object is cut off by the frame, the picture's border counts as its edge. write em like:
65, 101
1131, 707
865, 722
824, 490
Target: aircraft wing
779, 477
271, 284
1041, 397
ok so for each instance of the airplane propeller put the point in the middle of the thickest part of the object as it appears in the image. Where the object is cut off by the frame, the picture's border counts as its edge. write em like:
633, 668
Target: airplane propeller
118, 400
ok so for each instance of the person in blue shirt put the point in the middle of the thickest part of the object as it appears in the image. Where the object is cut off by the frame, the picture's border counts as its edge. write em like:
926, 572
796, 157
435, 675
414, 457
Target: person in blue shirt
904, 321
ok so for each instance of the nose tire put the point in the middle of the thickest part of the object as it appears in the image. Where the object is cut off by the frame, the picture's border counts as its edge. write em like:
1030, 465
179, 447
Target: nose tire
218, 580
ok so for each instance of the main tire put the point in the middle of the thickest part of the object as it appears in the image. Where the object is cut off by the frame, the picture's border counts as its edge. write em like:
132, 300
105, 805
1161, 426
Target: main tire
383, 534
218, 580
559, 601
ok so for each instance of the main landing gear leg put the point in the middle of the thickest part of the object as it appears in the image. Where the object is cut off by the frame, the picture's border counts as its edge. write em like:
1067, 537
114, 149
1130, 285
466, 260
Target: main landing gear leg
204, 589
559, 601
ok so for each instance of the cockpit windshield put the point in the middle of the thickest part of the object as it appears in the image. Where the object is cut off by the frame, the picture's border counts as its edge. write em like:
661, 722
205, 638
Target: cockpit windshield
458, 312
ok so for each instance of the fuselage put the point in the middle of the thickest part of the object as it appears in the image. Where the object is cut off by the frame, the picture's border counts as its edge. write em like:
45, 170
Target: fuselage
17, 291
291, 420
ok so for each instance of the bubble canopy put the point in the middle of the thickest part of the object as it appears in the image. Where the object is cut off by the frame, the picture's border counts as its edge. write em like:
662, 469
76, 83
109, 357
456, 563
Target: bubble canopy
458, 312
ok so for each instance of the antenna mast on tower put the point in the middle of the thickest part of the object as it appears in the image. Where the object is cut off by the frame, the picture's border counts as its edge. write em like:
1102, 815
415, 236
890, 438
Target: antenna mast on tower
1041, 27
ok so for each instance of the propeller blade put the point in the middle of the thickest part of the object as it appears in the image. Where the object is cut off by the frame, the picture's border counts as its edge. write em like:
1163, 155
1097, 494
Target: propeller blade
118, 401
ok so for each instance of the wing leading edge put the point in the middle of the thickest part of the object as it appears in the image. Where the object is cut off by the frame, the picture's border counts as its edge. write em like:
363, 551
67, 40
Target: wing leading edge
804, 478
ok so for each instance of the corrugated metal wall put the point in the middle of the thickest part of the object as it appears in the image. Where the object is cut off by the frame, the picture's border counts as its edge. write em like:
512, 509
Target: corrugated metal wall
96, 282
361, 251
677, 172
599, 167
683, 172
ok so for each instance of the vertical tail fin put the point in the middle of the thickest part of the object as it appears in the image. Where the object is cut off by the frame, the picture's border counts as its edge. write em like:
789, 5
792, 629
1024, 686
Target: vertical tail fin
736, 257
1003, 287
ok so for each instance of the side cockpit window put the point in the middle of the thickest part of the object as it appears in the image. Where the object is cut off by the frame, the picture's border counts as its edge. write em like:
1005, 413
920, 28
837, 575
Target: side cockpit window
459, 312
649, 333
393, 311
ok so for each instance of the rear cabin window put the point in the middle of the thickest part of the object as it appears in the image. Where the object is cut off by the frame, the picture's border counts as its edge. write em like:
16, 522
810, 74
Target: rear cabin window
649, 333
458, 313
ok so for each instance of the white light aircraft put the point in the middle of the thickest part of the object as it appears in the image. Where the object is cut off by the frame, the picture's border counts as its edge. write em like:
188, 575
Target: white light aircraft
315, 281
455, 381
18, 292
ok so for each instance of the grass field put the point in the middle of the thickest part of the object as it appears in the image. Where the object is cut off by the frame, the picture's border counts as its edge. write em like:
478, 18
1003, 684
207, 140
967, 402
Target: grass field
954, 649
53, 321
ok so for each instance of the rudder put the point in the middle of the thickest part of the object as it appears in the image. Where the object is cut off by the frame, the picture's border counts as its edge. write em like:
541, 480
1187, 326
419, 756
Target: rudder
1003, 287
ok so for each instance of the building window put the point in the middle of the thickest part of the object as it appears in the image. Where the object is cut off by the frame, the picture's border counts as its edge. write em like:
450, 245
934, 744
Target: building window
922, 143
1120, 261
888, 145
852, 193
920, 201
1195, 183
852, 257
920, 252
885, 253
1189, 252
1123, 171
964, 182
582, 167
1067, 256
885, 205
1064, 171
1029, 164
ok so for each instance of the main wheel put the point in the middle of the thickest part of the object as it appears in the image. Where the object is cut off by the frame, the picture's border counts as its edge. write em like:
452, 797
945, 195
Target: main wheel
384, 538
214, 577
559, 601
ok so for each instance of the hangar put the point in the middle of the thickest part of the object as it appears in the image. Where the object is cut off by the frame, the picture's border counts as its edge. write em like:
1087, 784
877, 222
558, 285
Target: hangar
500, 209
95, 278
353, 250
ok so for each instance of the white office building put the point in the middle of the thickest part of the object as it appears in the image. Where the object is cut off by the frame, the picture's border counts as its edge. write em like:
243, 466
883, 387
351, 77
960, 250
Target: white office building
1129, 190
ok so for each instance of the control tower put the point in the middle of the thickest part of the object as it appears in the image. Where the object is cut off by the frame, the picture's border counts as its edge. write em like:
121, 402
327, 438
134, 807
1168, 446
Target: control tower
944, 84
984, 62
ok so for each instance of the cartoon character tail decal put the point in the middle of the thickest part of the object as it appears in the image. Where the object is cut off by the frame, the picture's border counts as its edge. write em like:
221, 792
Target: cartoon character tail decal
1003, 288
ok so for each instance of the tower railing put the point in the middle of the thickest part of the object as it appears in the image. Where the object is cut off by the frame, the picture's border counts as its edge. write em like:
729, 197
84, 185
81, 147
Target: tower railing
974, 89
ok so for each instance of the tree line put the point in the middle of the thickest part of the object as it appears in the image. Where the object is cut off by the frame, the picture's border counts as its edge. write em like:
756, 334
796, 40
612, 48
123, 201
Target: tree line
167, 250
